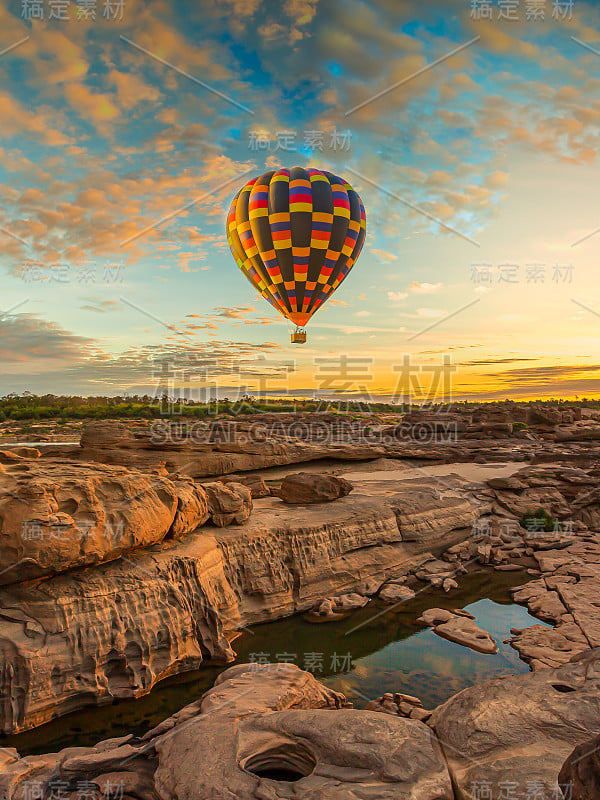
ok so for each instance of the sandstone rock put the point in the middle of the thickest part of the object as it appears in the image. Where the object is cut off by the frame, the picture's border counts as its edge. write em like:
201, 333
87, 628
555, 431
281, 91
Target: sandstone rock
22, 452
511, 483
273, 733
519, 729
370, 587
543, 603
192, 509
55, 516
460, 629
400, 705
435, 616
307, 487
468, 633
550, 647
349, 602
544, 416
228, 504
255, 483
325, 608
396, 593
431, 426
584, 431
420, 714
334, 607
580, 774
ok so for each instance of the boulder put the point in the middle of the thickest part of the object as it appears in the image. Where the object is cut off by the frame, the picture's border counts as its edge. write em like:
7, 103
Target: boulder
396, 593
21, 451
228, 504
584, 431
518, 730
307, 487
457, 627
580, 774
544, 416
55, 516
334, 607
255, 483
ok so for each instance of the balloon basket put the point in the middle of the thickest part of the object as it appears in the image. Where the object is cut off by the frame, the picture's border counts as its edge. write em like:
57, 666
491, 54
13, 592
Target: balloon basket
299, 336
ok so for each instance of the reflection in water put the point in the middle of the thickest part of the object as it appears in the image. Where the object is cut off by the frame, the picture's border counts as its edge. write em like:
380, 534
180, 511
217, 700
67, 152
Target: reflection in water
374, 650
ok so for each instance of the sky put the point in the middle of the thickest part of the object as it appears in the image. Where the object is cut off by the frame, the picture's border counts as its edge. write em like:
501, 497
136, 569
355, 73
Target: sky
470, 130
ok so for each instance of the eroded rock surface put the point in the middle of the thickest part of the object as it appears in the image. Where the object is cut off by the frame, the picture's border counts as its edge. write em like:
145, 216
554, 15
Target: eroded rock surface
519, 730
459, 627
111, 632
115, 629
580, 774
306, 487
56, 515
257, 735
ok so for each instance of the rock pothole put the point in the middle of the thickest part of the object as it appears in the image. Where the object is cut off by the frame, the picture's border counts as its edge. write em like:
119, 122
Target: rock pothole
287, 763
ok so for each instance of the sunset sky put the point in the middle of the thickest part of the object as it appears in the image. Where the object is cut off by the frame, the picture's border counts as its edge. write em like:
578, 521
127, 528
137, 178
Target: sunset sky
472, 138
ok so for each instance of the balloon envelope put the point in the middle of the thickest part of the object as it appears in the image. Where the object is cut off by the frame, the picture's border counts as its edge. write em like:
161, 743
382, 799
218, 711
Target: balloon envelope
296, 233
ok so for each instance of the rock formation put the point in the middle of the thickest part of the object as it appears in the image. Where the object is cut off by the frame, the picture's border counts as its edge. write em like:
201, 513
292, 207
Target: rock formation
275, 732
459, 627
228, 504
517, 731
580, 774
56, 515
306, 487
114, 630
258, 734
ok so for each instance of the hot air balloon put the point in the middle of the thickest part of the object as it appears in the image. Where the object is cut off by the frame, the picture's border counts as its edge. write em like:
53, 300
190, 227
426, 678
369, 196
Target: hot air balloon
295, 234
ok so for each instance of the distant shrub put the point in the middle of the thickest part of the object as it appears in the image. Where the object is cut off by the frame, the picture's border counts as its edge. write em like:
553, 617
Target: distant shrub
538, 520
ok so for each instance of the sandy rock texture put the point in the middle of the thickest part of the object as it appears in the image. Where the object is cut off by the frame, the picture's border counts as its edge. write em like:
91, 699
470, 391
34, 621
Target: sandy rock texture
114, 630
519, 730
56, 515
306, 487
581, 771
257, 735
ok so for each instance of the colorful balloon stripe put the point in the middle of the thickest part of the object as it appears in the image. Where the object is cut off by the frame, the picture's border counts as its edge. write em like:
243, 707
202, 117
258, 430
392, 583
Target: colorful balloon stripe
296, 234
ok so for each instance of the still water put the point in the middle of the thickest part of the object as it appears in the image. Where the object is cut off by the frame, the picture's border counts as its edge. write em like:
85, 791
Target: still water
374, 650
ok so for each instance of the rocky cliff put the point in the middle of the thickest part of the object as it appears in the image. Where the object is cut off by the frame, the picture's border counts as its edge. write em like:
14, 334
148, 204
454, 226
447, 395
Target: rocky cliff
114, 630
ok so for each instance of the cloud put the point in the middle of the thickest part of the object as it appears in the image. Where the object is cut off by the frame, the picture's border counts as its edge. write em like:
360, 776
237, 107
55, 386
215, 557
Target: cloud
41, 356
528, 375
26, 339
237, 312
383, 255
424, 288
396, 297
101, 306
490, 361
